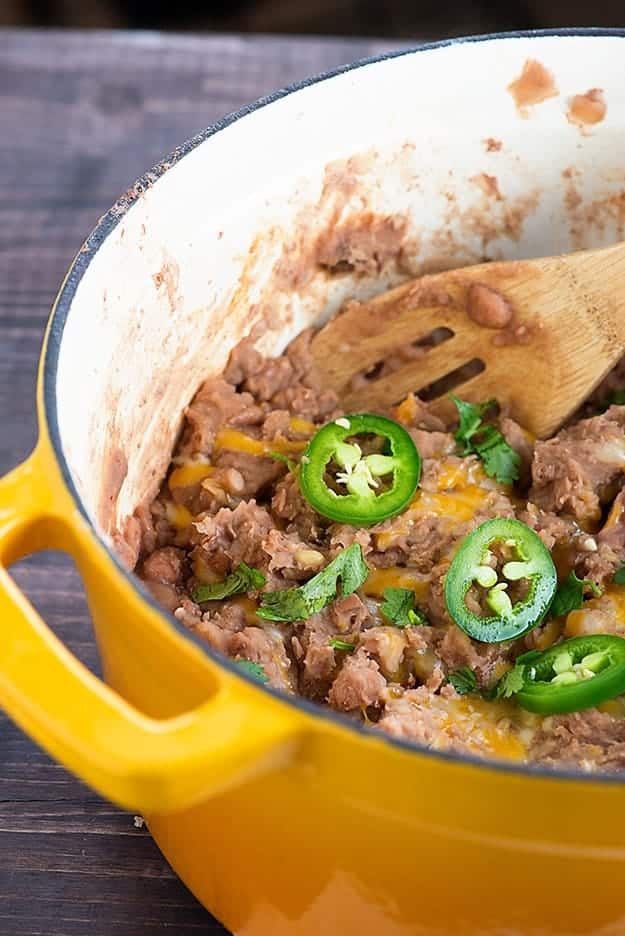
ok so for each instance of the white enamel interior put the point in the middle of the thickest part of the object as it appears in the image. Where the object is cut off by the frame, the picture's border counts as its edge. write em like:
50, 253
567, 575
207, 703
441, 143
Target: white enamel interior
223, 238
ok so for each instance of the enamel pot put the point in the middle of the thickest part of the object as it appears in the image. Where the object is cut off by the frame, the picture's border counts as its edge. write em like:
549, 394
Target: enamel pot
285, 819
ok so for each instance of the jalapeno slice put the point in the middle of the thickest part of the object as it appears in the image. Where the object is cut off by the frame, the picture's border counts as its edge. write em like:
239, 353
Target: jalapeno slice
345, 483
510, 575
574, 675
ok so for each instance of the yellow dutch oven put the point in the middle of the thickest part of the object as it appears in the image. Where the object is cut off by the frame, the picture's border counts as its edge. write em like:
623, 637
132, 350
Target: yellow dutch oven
281, 817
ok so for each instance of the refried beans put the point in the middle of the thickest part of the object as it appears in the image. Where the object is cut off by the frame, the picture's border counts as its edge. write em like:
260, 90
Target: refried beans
231, 524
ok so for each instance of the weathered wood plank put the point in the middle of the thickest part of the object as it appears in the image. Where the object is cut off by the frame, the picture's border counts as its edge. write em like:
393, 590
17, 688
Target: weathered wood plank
81, 116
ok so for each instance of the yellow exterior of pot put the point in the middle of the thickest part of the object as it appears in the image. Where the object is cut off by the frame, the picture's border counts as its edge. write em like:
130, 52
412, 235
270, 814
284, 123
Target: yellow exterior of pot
283, 822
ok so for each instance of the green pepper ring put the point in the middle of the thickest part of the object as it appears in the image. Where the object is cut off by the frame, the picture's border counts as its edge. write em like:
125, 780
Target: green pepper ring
351, 508
540, 696
526, 614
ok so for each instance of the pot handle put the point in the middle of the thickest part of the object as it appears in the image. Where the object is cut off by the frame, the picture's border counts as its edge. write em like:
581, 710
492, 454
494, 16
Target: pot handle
136, 761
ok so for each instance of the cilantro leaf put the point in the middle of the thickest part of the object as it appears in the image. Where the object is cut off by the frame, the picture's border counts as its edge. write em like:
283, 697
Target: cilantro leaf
242, 579
570, 594
253, 669
511, 682
349, 566
337, 644
289, 604
399, 609
500, 459
514, 680
619, 575
470, 420
463, 680
298, 604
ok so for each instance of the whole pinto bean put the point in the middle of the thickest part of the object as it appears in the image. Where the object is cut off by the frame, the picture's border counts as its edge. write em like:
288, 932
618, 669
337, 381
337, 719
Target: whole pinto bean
487, 307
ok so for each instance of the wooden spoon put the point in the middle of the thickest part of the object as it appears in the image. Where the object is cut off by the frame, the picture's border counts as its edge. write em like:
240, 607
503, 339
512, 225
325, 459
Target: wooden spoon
542, 334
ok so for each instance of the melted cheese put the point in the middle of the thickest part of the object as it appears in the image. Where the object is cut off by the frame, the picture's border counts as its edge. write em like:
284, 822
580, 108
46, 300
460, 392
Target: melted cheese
190, 474
490, 722
550, 633
599, 615
249, 607
489, 727
203, 573
457, 494
406, 411
614, 707
395, 577
235, 441
460, 505
178, 515
616, 595
302, 425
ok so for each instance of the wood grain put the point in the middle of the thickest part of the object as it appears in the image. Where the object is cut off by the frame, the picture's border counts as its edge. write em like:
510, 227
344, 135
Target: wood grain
81, 116
512, 317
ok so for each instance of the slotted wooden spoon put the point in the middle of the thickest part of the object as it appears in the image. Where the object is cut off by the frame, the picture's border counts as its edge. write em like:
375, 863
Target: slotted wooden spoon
543, 333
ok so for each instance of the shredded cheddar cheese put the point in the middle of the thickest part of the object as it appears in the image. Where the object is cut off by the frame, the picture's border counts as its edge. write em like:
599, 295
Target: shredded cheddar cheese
457, 495
550, 633
459, 505
249, 607
189, 474
406, 411
179, 516
487, 726
616, 594
596, 612
614, 707
395, 577
303, 426
203, 573
235, 441
490, 723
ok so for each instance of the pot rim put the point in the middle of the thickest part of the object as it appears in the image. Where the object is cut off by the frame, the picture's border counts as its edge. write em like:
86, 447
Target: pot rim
56, 325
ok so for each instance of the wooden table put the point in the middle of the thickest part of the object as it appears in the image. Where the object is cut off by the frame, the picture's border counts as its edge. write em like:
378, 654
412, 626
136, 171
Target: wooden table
81, 116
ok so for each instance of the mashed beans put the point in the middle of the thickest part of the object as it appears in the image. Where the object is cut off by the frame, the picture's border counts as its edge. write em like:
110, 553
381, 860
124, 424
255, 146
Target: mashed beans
231, 496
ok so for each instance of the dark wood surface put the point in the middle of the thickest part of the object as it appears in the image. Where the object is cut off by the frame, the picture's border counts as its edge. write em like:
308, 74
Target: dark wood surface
81, 116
